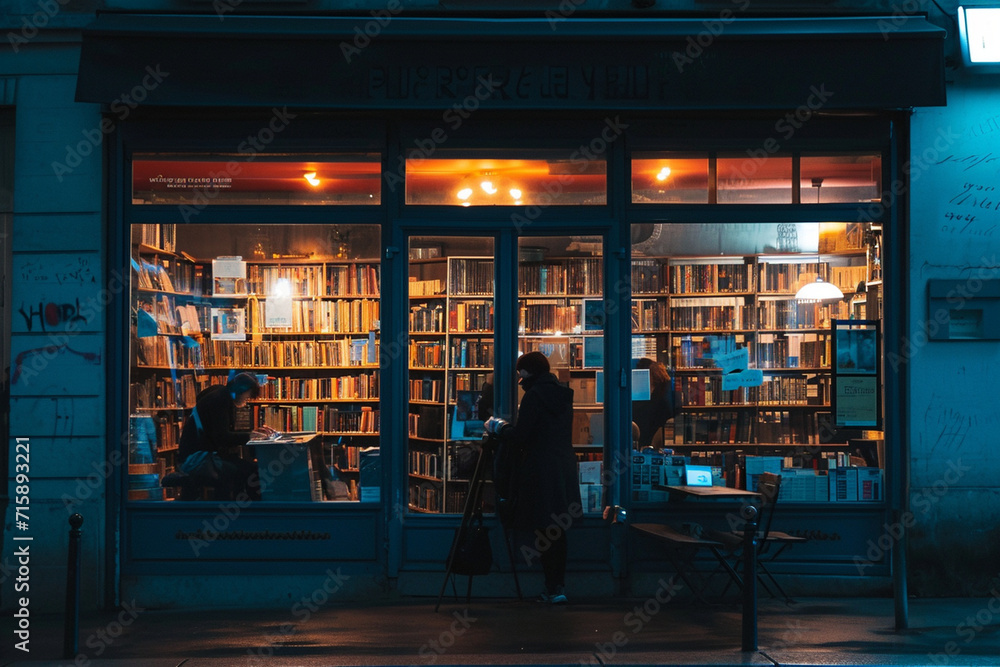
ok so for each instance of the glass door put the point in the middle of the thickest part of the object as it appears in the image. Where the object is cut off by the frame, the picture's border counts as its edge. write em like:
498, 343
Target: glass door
561, 313
451, 288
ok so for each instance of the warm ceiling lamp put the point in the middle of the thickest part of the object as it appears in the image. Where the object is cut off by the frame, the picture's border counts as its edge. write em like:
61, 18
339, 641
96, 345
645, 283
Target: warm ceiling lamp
663, 174
311, 178
819, 290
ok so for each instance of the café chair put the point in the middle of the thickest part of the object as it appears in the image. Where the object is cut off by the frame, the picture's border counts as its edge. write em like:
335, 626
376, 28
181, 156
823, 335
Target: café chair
770, 543
681, 549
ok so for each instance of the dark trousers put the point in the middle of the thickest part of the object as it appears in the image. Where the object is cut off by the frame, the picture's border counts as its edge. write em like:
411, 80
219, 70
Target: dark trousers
554, 562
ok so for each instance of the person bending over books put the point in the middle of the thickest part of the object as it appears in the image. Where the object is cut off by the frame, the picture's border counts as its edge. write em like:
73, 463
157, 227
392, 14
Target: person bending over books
650, 415
209, 448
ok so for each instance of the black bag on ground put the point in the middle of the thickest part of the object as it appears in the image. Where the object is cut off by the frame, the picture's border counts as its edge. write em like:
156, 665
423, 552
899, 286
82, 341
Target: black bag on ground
473, 553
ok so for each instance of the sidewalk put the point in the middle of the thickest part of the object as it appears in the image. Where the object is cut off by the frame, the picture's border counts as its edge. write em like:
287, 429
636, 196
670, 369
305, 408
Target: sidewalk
408, 631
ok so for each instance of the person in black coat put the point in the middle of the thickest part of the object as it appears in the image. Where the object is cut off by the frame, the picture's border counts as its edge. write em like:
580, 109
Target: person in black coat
547, 490
211, 428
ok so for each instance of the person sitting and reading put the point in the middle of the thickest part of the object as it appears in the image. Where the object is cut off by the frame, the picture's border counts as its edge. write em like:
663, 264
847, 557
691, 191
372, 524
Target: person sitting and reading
210, 428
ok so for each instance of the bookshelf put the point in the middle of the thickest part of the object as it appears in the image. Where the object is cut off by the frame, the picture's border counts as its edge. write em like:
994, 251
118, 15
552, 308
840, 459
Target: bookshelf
450, 358
307, 327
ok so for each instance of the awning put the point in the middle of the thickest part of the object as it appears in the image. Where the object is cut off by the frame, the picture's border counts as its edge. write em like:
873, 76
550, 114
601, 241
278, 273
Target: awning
398, 62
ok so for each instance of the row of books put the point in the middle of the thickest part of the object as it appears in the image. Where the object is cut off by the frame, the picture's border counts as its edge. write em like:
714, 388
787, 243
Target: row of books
548, 317
582, 276
466, 353
780, 427
340, 316
327, 419
649, 276
470, 277
467, 381
729, 314
343, 353
650, 315
809, 350
474, 316
165, 392
167, 352
426, 287
425, 318
695, 352
427, 388
706, 390
790, 314
340, 387
711, 278
162, 236
344, 280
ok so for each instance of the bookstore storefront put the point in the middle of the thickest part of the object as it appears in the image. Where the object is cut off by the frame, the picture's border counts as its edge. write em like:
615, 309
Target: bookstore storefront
379, 240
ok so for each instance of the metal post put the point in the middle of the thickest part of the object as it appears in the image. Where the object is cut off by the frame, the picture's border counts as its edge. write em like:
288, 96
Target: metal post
71, 622
749, 643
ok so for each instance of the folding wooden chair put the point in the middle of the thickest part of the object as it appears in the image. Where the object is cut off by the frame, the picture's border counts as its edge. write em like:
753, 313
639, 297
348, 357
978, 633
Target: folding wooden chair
680, 551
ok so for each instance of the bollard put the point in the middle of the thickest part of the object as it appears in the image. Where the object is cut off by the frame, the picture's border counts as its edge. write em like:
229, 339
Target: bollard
749, 578
71, 622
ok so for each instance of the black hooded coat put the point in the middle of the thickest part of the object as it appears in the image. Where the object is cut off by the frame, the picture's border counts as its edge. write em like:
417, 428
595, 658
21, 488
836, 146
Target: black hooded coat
546, 482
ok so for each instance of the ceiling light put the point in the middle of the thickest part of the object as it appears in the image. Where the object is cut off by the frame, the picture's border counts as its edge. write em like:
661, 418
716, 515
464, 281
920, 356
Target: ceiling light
464, 193
311, 178
819, 290
488, 187
662, 175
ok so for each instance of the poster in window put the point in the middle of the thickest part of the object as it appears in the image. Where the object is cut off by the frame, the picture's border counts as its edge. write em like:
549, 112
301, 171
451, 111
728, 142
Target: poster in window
229, 324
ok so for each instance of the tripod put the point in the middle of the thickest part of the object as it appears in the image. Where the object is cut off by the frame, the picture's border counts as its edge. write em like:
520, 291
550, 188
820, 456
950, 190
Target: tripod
473, 506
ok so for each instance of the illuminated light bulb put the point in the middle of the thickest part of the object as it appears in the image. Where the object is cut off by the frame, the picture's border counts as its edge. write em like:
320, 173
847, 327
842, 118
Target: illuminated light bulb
464, 193
465, 203
282, 287
662, 176
488, 187
515, 193
311, 178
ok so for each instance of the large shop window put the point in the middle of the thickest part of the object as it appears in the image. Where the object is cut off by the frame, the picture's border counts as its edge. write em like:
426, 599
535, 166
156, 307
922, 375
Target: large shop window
742, 374
296, 307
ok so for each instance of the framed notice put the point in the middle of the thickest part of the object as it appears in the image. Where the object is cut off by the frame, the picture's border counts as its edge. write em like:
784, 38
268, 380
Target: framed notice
856, 396
229, 324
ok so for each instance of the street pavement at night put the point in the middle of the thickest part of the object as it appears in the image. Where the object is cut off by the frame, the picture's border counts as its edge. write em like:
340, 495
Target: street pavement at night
408, 631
